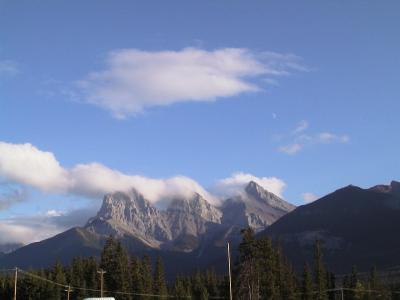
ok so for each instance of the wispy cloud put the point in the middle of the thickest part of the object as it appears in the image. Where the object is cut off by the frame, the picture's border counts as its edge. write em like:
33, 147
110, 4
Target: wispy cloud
300, 139
31, 228
134, 80
291, 148
237, 181
303, 125
12, 196
309, 197
8, 68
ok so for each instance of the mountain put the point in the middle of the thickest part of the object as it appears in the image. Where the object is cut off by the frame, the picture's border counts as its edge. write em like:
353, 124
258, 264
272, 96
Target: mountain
189, 234
131, 215
256, 208
9, 247
62, 247
356, 227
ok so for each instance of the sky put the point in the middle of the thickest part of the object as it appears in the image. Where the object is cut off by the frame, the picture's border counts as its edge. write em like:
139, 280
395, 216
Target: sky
175, 97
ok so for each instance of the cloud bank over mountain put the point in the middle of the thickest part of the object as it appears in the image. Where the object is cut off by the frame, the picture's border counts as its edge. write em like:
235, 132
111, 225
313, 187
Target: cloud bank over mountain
236, 183
27, 165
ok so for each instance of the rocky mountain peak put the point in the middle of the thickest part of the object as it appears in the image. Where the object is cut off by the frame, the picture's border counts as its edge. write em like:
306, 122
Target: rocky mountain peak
186, 221
196, 206
124, 207
130, 214
256, 208
254, 189
392, 188
258, 193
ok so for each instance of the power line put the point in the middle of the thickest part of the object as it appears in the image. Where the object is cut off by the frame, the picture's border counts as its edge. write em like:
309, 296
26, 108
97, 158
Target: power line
71, 288
96, 290
7, 270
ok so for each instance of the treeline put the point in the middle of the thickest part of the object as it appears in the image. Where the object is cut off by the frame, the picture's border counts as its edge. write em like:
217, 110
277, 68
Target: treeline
132, 277
263, 272
260, 272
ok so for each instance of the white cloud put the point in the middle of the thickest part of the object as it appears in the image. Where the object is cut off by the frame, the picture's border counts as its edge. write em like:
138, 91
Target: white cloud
300, 139
309, 197
291, 148
26, 164
134, 80
96, 180
327, 138
303, 125
11, 232
53, 213
8, 67
32, 228
234, 185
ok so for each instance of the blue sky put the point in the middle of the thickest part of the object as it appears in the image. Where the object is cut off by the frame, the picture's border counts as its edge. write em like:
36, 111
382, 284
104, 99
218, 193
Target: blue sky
303, 92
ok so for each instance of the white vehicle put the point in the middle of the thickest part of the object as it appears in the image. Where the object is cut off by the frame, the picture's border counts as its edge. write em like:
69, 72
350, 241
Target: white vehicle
104, 298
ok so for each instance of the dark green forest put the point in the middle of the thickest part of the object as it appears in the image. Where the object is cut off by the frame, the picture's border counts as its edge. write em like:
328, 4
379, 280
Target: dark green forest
259, 272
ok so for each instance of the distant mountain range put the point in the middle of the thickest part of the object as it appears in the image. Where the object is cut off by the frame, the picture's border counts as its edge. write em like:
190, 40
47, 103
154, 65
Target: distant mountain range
356, 227
189, 231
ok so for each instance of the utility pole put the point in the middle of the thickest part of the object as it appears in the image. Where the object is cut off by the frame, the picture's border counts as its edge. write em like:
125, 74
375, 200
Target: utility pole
101, 272
230, 276
342, 293
68, 290
15, 283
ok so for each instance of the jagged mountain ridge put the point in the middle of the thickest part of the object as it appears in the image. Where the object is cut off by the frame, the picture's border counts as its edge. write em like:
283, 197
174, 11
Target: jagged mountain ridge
185, 222
189, 234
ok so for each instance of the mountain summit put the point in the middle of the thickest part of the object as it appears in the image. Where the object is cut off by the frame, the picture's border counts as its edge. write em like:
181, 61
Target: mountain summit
189, 219
188, 229
255, 207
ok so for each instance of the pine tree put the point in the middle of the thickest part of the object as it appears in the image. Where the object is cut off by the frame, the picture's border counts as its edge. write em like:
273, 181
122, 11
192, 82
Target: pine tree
114, 260
289, 282
212, 283
247, 280
76, 276
58, 275
146, 276
199, 290
267, 266
91, 279
353, 283
307, 284
331, 284
159, 283
320, 274
180, 289
136, 277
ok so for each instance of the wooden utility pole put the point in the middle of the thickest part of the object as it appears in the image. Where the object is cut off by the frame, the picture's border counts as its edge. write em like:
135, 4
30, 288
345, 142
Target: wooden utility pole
342, 293
15, 283
68, 290
101, 272
229, 269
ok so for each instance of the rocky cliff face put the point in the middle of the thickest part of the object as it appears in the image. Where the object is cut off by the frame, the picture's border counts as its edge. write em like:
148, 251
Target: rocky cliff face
393, 188
130, 214
255, 208
186, 222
